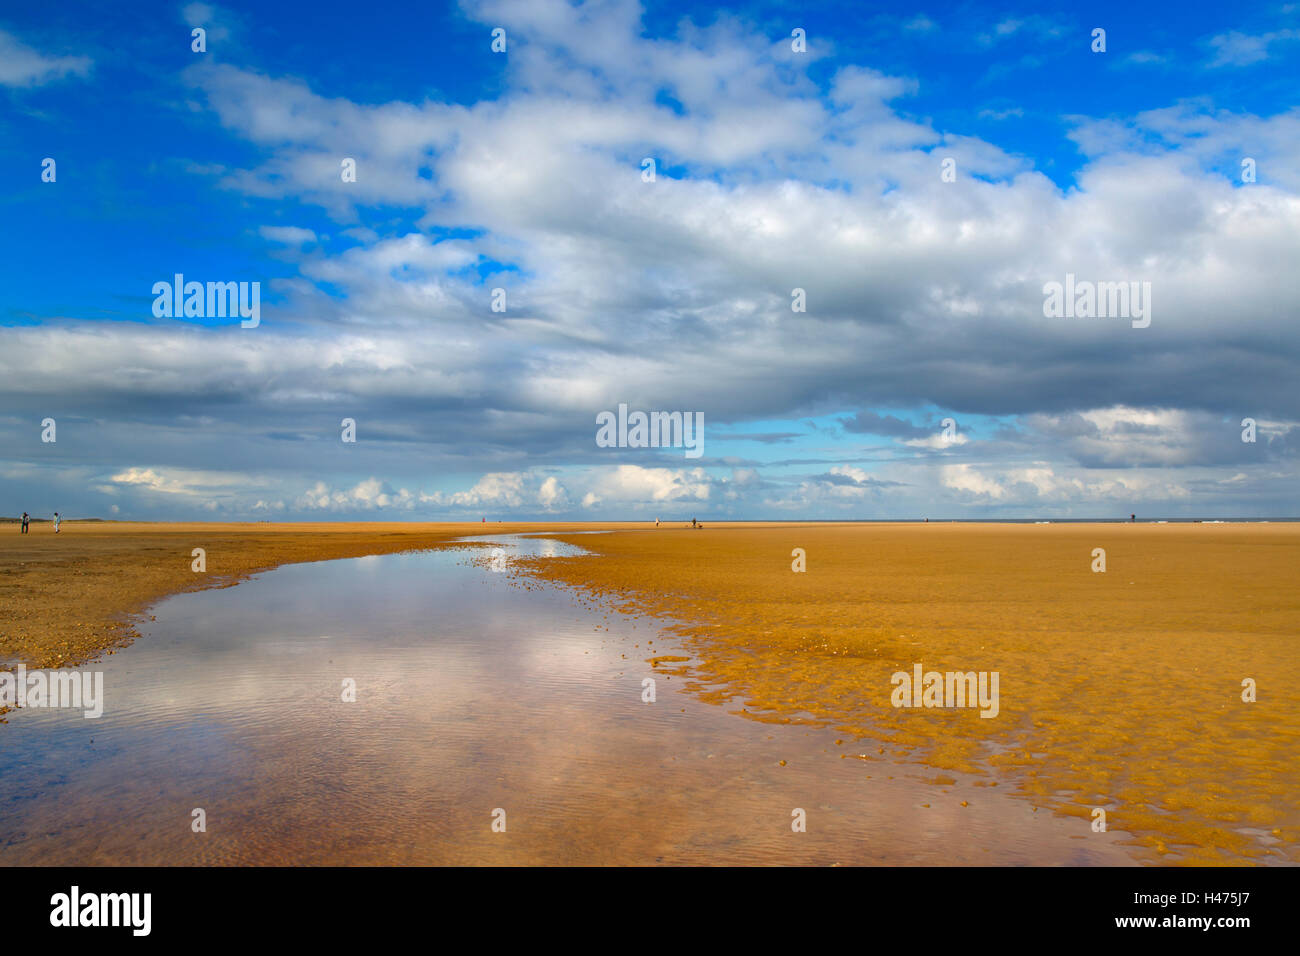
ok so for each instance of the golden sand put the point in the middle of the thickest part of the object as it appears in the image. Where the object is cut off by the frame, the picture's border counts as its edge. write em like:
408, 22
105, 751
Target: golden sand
1120, 690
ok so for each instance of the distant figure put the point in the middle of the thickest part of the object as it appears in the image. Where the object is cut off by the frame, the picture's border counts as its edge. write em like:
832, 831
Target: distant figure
56, 522
656, 522
927, 520
1132, 519
26, 521
692, 522
485, 519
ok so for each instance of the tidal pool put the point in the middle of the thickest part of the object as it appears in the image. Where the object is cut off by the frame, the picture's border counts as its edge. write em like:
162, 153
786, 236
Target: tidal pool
476, 692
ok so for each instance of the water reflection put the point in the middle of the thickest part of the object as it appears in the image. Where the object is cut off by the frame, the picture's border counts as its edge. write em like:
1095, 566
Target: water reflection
471, 693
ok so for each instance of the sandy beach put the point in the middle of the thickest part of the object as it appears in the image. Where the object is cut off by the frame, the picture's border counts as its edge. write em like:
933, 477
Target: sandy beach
70, 597
1119, 690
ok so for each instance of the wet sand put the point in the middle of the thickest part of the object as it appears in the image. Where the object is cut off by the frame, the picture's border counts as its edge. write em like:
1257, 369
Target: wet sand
477, 689
1119, 690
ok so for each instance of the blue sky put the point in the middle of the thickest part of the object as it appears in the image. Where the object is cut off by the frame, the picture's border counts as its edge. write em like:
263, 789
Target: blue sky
775, 170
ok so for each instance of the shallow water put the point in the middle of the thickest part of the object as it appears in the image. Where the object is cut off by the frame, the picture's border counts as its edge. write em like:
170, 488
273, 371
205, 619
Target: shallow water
476, 691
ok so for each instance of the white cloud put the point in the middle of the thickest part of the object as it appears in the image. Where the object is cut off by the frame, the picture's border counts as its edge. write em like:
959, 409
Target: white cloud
676, 294
368, 495
1244, 49
22, 66
634, 484
1035, 485
496, 489
938, 442
208, 17
552, 495
966, 478
288, 235
180, 481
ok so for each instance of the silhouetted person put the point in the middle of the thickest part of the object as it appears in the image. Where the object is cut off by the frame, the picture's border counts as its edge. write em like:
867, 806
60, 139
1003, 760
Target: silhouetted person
1132, 519
26, 522
56, 522
692, 522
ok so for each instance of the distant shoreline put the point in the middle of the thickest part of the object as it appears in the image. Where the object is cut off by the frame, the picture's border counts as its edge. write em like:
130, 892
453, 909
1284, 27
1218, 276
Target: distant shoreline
670, 521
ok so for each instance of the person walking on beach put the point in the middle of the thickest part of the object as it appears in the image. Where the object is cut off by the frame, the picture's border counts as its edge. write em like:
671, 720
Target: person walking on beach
56, 522
26, 521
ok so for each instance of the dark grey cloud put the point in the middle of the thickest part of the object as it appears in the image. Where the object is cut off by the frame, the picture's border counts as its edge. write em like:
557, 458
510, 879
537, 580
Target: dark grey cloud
877, 424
